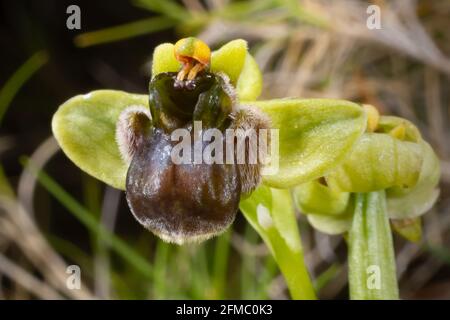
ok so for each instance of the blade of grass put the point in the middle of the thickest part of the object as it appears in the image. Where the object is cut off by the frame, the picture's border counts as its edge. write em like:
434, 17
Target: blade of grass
124, 31
220, 264
123, 289
302, 14
268, 273
92, 195
91, 200
325, 277
248, 267
243, 9
200, 282
167, 8
17, 80
160, 270
86, 218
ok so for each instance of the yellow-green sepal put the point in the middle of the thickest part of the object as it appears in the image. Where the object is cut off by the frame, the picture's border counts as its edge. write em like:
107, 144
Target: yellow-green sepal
249, 84
315, 135
164, 59
230, 59
85, 128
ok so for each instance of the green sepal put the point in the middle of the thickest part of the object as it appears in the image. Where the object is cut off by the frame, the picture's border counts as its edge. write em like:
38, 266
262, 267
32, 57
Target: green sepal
164, 60
230, 59
315, 135
249, 84
85, 128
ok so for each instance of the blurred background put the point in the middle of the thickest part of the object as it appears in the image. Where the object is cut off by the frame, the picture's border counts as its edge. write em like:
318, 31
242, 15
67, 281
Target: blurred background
305, 48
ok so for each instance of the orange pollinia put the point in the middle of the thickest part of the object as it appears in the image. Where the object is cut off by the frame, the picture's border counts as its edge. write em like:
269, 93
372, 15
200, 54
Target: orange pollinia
195, 56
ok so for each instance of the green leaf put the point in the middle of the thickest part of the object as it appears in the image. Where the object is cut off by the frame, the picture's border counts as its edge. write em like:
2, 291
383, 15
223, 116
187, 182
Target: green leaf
316, 198
271, 214
164, 60
85, 128
371, 259
315, 135
230, 59
249, 84
410, 203
378, 161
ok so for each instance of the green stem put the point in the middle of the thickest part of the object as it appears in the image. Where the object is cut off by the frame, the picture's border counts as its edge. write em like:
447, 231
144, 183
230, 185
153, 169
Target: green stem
371, 259
292, 266
271, 214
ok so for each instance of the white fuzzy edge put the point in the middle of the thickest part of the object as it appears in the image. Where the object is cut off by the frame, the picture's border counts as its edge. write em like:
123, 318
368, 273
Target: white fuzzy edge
181, 238
122, 128
229, 90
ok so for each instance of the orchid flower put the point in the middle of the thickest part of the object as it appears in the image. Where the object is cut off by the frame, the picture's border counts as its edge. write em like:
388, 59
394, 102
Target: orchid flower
341, 161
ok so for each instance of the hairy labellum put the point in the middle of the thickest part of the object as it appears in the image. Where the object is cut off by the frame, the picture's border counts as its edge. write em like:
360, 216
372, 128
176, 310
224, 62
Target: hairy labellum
184, 201
189, 201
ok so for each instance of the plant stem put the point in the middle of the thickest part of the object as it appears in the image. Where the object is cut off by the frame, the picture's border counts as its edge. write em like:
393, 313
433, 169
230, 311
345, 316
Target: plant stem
271, 214
371, 259
293, 268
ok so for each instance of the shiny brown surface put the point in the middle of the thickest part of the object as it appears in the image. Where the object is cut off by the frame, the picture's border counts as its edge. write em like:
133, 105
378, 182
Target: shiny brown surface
180, 202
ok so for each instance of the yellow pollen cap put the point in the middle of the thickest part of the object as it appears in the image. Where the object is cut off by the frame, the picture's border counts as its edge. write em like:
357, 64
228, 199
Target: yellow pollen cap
191, 48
